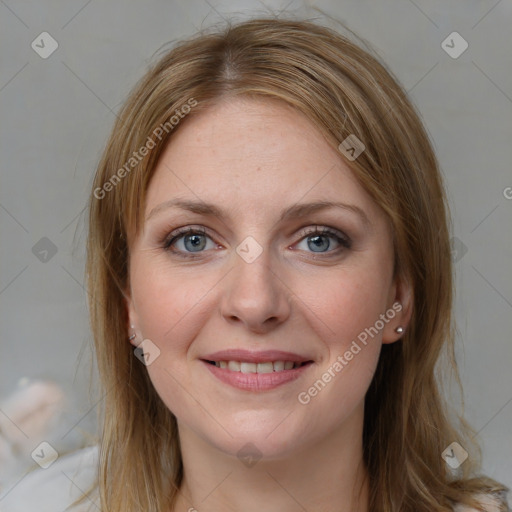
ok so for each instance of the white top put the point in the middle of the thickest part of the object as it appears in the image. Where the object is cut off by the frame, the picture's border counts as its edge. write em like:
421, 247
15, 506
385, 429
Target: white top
57, 487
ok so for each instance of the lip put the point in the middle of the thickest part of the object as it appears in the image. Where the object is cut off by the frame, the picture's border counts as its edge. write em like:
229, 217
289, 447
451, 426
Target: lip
256, 381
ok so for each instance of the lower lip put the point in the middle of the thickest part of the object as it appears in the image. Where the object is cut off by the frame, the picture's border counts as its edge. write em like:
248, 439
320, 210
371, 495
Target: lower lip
256, 381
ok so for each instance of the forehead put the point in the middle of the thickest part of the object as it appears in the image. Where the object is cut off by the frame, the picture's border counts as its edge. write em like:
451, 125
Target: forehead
253, 155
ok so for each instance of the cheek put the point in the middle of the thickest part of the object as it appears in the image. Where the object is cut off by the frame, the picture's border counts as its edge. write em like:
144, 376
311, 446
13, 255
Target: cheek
170, 308
346, 318
166, 298
346, 302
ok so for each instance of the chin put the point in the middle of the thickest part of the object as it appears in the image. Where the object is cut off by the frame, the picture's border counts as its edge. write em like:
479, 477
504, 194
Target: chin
257, 434
257, 446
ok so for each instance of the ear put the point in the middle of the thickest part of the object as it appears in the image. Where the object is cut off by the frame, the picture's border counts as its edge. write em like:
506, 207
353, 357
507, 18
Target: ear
133, 319
400, 302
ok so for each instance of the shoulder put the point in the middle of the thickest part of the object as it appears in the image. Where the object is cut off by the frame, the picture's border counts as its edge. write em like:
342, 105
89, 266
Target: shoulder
55, 488
490, 503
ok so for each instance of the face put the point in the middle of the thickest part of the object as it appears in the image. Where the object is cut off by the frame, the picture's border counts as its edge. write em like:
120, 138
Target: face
265, 309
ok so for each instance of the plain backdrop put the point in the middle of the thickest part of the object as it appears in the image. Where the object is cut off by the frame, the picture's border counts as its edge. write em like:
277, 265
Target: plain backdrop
57, 113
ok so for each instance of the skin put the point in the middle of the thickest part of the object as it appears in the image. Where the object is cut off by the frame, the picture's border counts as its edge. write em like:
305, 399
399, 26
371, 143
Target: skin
254, 158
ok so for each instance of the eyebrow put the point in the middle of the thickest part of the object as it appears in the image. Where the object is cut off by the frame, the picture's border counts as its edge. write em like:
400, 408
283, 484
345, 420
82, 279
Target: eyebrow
295, 211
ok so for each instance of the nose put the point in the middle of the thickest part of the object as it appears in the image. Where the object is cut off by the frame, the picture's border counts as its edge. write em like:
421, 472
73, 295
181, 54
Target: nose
255, 296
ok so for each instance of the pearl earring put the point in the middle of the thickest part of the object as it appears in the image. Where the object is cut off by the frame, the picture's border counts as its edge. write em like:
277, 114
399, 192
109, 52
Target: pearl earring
399, 330
133, 336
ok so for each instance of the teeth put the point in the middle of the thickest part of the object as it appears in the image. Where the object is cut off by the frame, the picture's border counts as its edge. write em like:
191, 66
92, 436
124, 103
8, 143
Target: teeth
266, 367
234, 366
278, 366
248, 367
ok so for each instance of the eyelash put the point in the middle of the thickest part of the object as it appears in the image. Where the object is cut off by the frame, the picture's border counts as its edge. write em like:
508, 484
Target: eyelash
339, 237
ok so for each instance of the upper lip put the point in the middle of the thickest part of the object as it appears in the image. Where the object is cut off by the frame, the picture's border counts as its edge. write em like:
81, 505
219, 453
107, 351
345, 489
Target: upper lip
248, 356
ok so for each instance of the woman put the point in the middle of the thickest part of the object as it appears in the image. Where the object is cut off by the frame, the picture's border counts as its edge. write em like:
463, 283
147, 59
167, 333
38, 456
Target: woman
271, 287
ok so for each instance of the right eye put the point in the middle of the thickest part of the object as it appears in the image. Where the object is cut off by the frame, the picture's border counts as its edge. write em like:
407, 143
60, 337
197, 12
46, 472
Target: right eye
187, 241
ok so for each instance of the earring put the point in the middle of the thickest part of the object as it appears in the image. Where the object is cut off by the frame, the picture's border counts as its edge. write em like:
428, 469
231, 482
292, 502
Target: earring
399, 330
133, 336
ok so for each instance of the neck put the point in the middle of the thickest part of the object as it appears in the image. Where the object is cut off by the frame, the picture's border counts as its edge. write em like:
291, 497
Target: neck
327, 475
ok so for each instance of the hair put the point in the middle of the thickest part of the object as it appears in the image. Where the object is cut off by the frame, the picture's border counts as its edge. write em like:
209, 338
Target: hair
343, 90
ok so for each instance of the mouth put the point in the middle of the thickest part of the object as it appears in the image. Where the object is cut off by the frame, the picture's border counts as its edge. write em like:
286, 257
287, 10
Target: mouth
260, 367
256, 371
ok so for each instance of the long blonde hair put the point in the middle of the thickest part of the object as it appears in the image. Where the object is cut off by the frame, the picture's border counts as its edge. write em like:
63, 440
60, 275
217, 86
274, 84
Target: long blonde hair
343, 90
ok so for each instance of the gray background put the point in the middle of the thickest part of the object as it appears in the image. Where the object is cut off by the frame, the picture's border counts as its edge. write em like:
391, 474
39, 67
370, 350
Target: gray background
57, 113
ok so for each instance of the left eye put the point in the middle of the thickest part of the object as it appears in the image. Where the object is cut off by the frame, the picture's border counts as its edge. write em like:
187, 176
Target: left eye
321, 240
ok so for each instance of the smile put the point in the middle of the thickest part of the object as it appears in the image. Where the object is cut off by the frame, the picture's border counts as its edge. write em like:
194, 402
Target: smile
264, 367
256, 371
